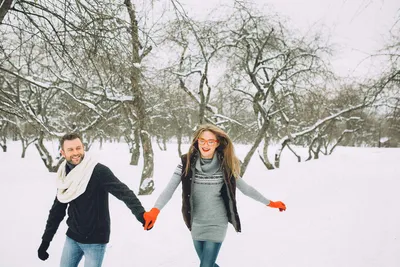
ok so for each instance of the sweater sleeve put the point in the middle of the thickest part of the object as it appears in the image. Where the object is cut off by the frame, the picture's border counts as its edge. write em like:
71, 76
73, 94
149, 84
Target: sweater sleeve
121, 191
166, 195
250, 191
56, 215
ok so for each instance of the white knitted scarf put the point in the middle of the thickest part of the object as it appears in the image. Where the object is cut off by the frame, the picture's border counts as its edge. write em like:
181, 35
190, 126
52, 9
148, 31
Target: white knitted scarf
74, 184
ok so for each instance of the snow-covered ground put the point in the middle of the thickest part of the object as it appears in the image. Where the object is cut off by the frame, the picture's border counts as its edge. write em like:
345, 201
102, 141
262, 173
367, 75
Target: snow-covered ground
342, 211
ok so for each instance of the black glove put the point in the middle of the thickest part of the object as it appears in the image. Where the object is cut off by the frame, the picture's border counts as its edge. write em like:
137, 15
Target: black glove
42, 251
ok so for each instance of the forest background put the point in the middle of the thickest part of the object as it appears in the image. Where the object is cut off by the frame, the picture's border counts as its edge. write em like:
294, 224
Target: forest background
148, 72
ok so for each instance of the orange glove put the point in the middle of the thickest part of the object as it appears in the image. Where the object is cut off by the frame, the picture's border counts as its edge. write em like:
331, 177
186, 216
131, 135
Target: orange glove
150, 218
278, 204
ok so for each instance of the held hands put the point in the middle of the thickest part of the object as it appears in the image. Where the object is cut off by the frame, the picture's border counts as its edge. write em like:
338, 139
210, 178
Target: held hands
278, 204
42, 251
150, 218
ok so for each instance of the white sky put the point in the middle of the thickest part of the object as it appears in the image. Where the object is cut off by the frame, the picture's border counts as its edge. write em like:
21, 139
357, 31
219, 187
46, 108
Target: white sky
357, 27
342, 211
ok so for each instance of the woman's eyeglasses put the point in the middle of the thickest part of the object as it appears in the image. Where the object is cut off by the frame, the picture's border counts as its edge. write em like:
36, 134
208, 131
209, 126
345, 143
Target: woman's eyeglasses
210, 142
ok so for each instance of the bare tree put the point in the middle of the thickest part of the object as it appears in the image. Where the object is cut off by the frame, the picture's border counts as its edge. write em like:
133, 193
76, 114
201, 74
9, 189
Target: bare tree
139, 104
70, 62
3, 135
370, 97
201, 45
271, 70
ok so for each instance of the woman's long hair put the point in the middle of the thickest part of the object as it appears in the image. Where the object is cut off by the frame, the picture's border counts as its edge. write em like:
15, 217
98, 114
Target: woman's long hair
230, 162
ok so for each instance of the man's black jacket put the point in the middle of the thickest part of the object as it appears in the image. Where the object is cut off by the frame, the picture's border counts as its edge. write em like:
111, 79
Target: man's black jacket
88, 215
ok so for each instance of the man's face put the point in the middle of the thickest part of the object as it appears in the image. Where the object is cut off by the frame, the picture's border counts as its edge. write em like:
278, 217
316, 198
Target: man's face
73, 151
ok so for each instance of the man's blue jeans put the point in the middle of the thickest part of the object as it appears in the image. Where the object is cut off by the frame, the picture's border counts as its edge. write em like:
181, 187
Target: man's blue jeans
73, 252
207, 252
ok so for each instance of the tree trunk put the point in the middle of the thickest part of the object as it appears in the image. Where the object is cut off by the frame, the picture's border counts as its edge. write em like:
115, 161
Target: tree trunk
318, 149
3, 143
24, 147
146, 181
135, 148
265, 159
88, 142
202, 109
164, 142
5, 6
340, 139
45, 155
294, 153
279, 153
161, 143
26, 143
325, 151
310, 149
261, 134
379, 136
179, 139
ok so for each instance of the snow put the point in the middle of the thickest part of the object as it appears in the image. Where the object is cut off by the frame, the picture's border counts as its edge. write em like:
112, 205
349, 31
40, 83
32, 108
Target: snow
384, 139
342, 211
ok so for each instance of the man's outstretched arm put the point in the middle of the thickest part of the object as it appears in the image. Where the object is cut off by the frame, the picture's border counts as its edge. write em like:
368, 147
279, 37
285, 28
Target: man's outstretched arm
121, 191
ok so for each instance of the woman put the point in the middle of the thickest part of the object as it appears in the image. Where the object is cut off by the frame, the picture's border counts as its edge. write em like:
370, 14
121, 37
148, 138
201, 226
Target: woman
209, 173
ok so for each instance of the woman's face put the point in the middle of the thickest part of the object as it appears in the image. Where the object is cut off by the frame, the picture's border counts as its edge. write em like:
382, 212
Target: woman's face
207, 144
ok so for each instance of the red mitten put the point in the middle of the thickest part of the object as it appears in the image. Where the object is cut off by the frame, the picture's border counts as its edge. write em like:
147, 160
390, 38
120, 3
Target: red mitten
150, 218
278, 205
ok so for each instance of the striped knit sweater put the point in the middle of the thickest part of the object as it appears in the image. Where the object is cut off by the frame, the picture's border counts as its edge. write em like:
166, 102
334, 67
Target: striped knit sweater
210, 219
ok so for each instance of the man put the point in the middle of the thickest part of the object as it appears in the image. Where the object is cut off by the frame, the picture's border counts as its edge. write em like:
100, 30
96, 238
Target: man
83, 185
